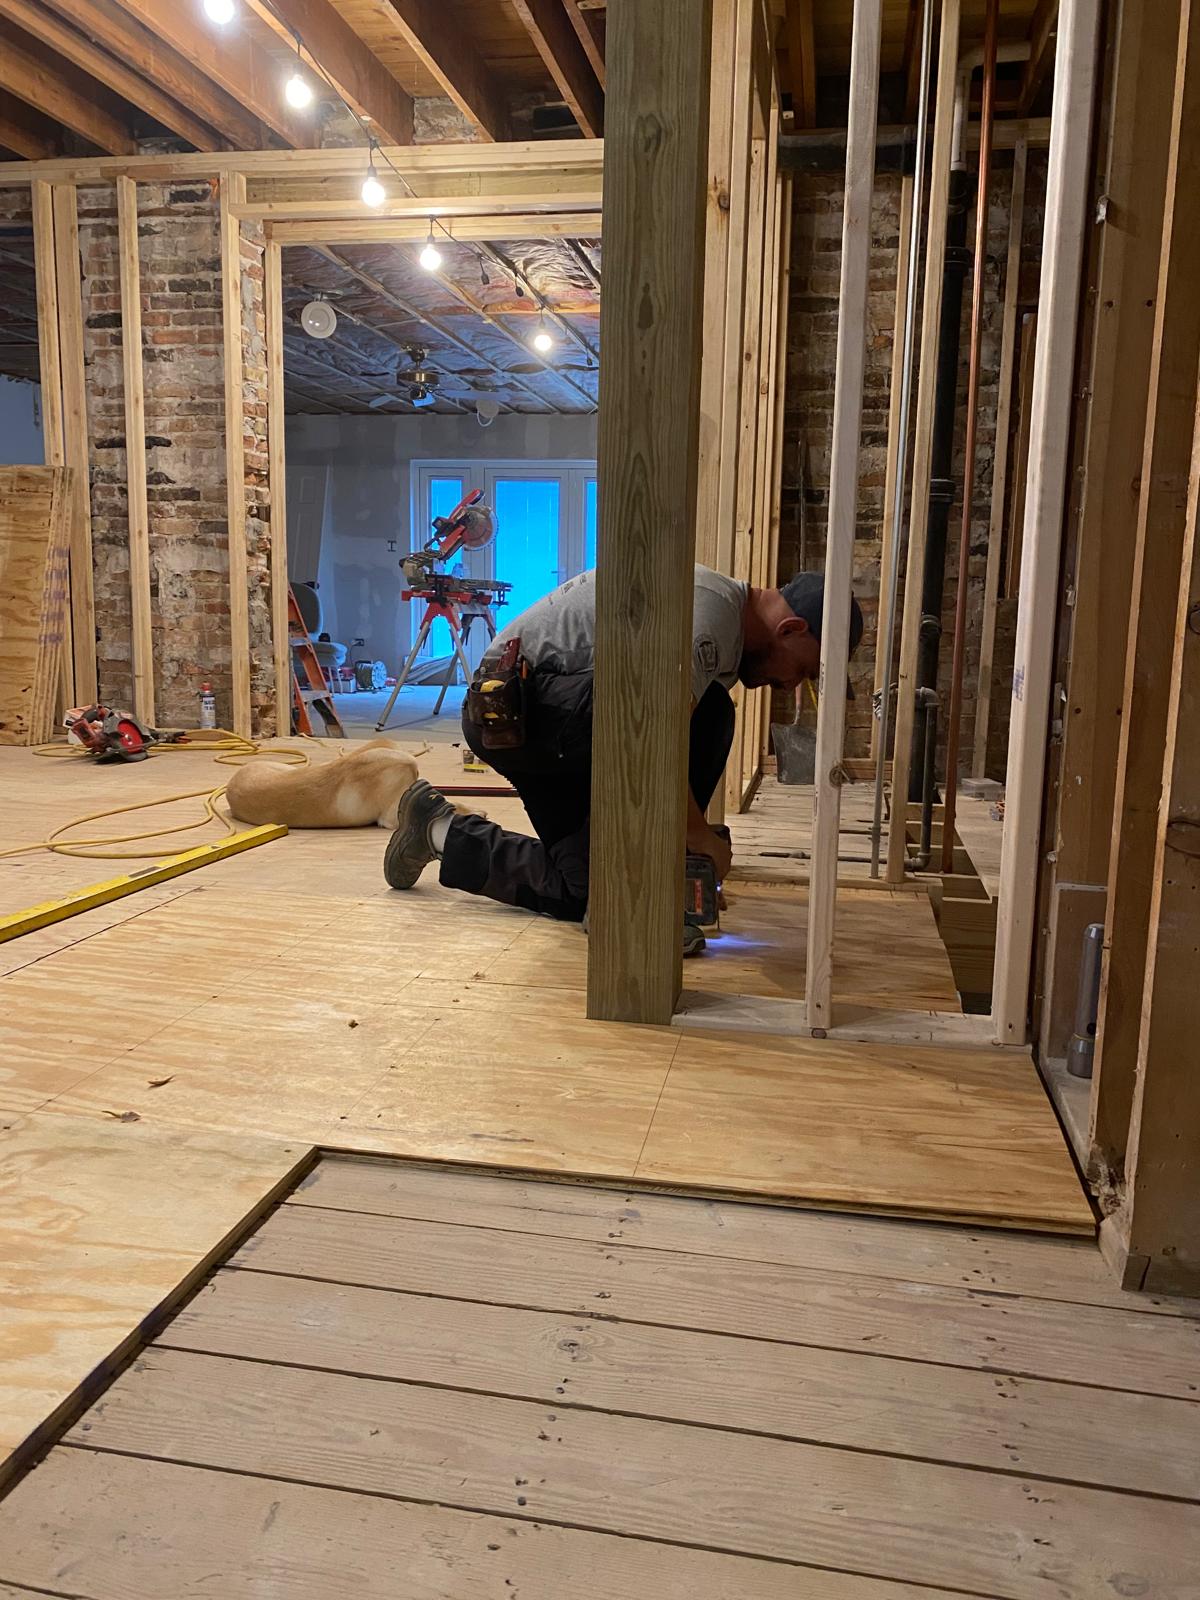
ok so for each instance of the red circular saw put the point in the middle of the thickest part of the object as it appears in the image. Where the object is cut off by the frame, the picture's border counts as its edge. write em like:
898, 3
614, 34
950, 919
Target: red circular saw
109, 735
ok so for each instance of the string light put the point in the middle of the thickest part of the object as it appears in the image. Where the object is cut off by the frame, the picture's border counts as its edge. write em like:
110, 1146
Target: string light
431, 256
297, 91
373, 192
219, 11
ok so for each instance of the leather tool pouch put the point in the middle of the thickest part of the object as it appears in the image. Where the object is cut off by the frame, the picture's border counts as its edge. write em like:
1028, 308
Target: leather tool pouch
497, 700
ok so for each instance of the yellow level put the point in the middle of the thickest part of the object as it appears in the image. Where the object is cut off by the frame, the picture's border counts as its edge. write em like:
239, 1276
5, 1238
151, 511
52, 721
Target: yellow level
98, 894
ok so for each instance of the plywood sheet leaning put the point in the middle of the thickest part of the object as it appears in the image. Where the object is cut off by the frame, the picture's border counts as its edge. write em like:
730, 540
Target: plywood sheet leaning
34, 504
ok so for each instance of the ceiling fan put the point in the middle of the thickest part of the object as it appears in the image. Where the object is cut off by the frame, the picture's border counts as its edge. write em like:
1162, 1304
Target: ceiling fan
419, 379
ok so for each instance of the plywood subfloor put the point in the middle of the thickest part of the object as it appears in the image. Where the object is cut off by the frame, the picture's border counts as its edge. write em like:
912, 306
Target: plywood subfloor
417, 1381
287, 999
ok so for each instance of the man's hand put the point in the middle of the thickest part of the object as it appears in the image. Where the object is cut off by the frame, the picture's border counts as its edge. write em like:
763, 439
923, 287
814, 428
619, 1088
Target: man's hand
720, 853
702, 841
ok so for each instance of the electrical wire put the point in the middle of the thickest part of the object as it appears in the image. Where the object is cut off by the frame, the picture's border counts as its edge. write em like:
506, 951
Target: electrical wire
231, 750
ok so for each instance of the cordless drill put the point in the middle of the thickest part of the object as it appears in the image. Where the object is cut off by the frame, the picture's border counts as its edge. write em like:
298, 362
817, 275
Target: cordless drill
702, 888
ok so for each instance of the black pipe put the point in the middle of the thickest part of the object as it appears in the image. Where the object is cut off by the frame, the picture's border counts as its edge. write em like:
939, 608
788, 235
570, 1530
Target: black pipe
927, 705
942, 486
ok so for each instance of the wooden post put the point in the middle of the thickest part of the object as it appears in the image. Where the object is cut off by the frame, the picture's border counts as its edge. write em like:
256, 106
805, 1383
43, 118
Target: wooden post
1124, 291
655, 157
747, 432
918, 516
50, 372
233, 193
276, 470
1153, 1239
895, 445
1045, 500
135, 451
713, 464
1156, 567
843, 507
1004, 390
778, 399
75, 438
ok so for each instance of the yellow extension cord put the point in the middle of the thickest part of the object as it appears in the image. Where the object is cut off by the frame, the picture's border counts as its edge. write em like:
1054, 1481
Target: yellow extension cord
229, 751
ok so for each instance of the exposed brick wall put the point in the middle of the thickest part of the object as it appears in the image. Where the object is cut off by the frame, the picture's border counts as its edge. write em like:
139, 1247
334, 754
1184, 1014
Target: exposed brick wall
808, 419
183, 367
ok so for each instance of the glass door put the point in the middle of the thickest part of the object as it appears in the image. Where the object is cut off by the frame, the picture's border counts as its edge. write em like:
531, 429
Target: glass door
527, 551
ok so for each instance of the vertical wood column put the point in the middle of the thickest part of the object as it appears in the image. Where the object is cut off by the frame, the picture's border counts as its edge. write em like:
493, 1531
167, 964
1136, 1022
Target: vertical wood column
843, 507
277, 474
1132, 178
1153, 1240
918, 515
895, 445
135, 451
1045, 504
75, 439
717, 251
233, 192
1156, 566
50, 372
1004, 389
655, 160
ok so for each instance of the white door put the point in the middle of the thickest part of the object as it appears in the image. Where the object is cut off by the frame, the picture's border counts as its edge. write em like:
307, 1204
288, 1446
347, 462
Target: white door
307, 497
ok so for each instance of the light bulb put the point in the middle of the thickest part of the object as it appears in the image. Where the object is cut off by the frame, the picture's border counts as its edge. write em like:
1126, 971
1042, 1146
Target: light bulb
297, 91
431, 256
373, 192
219, 11
542, 341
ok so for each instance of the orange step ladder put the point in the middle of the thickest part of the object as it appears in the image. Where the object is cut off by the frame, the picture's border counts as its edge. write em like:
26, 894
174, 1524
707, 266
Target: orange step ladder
314, 694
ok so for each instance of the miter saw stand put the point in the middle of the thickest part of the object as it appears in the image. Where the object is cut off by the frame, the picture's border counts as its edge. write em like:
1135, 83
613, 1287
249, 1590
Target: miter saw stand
458, 600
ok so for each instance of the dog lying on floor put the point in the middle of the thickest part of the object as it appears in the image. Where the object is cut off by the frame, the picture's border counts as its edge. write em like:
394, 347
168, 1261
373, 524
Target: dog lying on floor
351, 791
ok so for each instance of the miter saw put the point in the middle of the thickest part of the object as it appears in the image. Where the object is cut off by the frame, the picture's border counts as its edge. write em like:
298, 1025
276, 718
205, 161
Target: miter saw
454, 597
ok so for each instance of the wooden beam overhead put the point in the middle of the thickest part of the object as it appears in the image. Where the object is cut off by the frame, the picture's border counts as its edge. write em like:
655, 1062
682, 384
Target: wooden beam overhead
590, 26
106, 25
348, 61
233, 60
50, 29
802, 61
1043, 31
558, 45
24, 131
60, 90
446, 51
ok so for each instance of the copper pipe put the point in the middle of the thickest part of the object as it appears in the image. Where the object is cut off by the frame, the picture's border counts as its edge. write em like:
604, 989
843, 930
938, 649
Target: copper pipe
987, 117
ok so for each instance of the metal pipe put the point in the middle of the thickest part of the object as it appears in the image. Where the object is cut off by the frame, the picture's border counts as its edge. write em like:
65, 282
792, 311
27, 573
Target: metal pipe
1082, 1048
927, 704
958, 658
885, 645
941, 462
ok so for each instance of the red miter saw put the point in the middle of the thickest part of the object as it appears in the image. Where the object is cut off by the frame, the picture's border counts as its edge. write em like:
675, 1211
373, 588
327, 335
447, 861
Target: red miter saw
112, 735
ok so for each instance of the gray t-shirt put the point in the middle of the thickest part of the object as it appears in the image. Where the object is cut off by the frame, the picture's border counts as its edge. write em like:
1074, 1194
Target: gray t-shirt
558, 632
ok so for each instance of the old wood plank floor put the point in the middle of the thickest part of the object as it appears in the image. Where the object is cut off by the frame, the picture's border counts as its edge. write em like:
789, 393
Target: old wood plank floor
416, 1381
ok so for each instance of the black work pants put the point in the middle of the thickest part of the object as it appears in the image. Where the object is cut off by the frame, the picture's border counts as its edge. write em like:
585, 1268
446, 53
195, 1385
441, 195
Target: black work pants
552, 773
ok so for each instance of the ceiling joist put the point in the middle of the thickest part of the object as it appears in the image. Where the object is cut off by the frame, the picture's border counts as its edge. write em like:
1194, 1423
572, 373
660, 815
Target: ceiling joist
60, 90
441, 47
558, 45
355, 71
24, 131
48, 28
233, 60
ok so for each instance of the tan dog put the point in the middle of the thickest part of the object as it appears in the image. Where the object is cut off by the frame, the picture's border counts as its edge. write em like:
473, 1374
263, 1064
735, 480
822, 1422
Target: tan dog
351, 791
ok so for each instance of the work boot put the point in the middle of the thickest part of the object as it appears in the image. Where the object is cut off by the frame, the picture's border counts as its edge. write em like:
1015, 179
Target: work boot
410, 849
693, 939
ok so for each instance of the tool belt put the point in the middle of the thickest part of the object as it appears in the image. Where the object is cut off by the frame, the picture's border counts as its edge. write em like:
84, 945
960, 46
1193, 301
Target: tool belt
497, 700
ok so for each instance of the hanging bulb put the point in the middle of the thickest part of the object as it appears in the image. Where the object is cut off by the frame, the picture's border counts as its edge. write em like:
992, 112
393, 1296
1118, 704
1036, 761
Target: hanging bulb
373, 192
431, 256
219, 11
541, 339
297, 91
